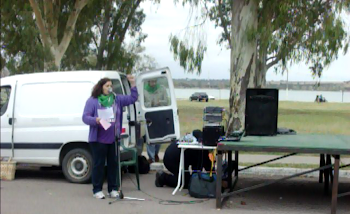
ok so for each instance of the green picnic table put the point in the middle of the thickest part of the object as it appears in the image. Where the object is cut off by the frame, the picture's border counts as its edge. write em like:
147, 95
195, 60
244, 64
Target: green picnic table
325, 145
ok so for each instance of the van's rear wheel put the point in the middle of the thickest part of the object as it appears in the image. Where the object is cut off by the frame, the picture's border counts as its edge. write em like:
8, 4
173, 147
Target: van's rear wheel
77, 166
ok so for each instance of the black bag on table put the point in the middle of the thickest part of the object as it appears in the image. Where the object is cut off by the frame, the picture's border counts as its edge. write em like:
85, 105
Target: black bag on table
202, 185
211, 135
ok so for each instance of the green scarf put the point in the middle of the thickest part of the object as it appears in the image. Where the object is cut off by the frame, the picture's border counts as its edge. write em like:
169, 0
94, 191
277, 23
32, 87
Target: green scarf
106, 100
151, 89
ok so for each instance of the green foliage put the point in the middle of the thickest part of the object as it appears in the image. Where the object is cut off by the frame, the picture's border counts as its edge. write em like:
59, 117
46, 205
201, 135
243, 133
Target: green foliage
190, 58
289, 31
83, 52
310, 31
21, 48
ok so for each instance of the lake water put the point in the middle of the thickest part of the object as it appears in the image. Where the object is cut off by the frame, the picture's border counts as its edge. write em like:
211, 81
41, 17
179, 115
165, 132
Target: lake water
300, 96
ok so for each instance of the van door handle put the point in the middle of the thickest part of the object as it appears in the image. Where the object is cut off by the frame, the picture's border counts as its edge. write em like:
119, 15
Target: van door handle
10, 121
148, 122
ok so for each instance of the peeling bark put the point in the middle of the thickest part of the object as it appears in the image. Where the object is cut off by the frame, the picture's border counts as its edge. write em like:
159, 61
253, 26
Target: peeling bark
243, 60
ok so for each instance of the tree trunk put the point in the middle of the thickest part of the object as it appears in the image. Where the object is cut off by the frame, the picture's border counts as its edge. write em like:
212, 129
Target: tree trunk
261, 68
58, 55
55, 61
243, 59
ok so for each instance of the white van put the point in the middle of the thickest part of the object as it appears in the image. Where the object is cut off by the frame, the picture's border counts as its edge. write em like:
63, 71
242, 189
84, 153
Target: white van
41, 117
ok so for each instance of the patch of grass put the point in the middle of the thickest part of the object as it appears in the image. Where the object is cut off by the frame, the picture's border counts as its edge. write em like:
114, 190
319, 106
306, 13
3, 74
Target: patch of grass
327, 118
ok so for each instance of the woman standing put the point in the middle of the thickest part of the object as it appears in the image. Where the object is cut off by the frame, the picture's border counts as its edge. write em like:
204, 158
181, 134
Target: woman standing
102, 139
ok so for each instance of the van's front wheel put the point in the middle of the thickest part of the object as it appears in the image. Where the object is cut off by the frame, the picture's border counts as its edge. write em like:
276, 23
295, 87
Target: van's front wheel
77, 166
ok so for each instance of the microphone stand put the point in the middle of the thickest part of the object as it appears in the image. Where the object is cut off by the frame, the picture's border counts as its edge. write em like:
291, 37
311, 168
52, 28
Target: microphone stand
121, 195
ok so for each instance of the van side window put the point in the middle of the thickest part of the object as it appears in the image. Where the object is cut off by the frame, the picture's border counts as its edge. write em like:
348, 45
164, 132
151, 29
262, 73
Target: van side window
125, 83
4, 99
117, 88
156, 92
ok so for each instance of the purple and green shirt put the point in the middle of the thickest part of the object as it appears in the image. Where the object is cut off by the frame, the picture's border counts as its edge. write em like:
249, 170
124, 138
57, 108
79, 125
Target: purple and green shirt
96, 131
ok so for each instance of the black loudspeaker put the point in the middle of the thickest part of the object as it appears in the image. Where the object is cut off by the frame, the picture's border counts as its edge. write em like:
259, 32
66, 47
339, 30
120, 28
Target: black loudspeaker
211, 135
261, 112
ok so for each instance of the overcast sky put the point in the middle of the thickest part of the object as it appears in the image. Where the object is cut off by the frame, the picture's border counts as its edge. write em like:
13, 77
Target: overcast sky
165, 19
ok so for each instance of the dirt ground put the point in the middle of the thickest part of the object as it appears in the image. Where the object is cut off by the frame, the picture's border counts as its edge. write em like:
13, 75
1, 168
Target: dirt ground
47, 192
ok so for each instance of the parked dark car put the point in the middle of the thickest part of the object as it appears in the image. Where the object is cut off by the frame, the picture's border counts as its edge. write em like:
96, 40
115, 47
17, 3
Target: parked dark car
199, 96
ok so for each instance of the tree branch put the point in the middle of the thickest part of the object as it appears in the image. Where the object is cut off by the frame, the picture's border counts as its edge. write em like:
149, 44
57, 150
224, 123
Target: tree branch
57, 10
196, 25
122, 33
224, 24
70, 26
50, 21
280, 55
115, 26
116, 20
199, 24
104, 35
40, 23
127, 23
272, 63
93, 38
45, 10
270, 58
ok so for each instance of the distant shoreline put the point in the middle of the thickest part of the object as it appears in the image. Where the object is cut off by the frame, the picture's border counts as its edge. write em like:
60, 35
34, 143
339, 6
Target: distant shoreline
290, 89
283, 95
282, 85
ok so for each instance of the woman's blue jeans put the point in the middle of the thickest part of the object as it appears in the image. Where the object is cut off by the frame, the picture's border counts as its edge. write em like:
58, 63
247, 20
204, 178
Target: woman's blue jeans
101, 152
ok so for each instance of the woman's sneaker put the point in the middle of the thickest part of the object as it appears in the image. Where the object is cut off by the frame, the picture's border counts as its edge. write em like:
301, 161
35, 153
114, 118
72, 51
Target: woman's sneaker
113, 194
99, 195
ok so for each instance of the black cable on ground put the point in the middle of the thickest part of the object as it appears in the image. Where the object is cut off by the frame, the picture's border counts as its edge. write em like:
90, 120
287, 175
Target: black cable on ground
169, 202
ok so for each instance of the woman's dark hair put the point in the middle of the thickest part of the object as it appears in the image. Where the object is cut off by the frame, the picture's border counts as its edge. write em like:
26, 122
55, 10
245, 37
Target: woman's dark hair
97, 90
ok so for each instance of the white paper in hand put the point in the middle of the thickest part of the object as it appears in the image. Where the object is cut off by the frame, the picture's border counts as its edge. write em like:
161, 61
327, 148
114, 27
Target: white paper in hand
105, 124
105, 113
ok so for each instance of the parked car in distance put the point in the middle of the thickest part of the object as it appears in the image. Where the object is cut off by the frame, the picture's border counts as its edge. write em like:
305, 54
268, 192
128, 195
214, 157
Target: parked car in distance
211, 97
199, 96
